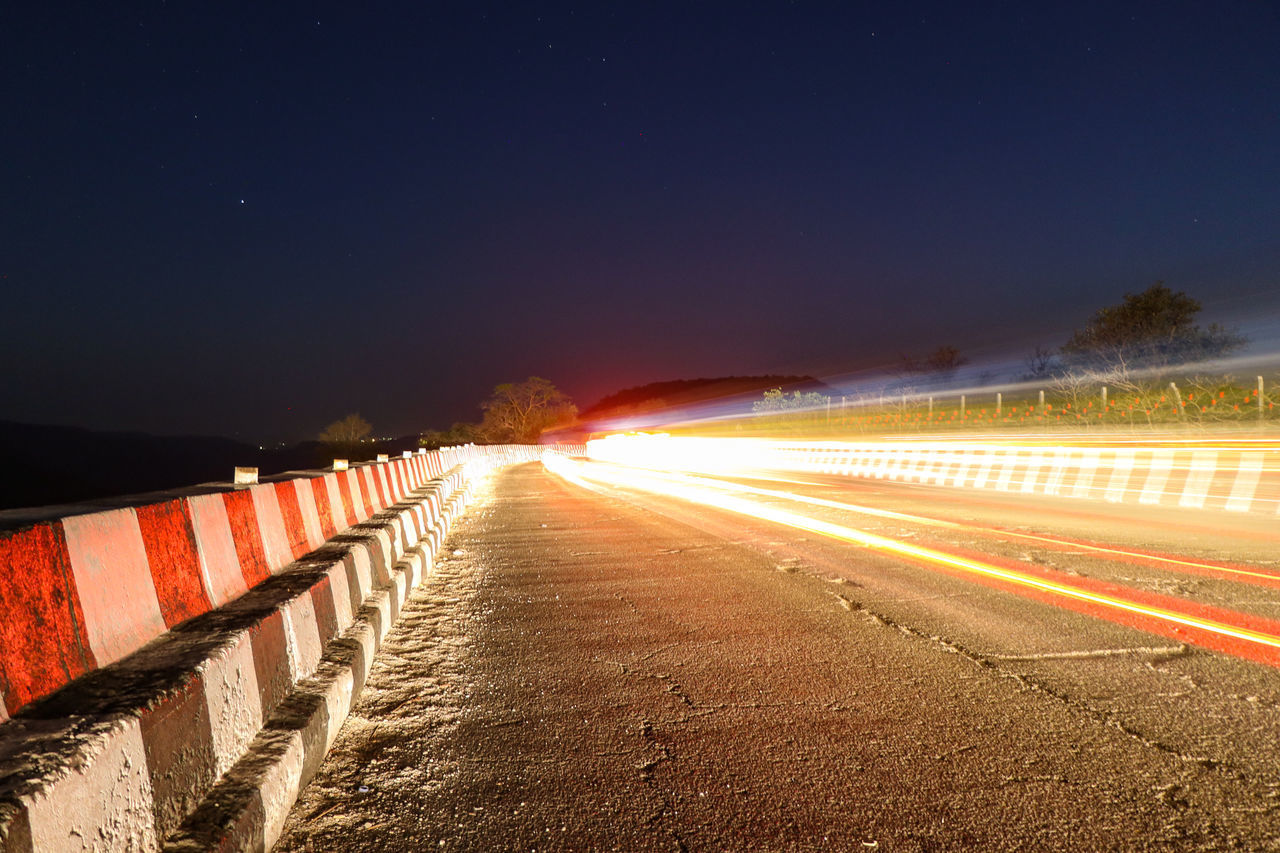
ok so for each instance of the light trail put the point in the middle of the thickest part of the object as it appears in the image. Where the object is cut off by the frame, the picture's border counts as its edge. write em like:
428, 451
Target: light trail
1238, 475
956, 462
1249, 575
1243, 635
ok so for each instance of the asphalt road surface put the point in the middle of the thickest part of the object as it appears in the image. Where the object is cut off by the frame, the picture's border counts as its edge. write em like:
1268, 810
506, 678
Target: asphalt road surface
595, 667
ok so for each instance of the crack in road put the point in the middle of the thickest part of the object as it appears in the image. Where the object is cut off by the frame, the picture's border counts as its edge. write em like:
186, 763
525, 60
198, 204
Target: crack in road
646, 768
1159, 653
992, 663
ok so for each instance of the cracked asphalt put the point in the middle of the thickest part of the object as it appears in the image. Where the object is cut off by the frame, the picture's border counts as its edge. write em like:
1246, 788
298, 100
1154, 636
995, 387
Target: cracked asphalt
588, 672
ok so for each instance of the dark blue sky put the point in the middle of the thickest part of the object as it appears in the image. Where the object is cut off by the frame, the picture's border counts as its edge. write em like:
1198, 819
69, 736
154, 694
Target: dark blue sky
252, 222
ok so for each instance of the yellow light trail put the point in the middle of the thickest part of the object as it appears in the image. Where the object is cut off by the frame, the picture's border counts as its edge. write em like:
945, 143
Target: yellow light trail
1139, 473
938, 522
579, 472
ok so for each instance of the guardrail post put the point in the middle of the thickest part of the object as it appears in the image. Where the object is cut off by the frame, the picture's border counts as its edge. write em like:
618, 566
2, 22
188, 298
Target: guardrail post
999, 404
1104, 398
962, 414
1260, 415
1042, 411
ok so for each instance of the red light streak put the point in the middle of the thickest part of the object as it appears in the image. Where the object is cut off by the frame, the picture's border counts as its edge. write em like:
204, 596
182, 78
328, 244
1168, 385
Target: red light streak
1246, 574
1243, 635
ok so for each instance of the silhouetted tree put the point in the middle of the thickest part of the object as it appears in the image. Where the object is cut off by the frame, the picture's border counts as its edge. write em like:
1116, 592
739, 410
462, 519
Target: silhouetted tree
1134, 347
519, 412
1041, 364
943, 361
1154, 328
459, 433
350, 430
342, 438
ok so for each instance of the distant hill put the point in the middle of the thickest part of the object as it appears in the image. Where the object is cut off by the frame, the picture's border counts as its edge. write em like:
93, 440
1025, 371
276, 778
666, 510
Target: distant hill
684, 392
42, 464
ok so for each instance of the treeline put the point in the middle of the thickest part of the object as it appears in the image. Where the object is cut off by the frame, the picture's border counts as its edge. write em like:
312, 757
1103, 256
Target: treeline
533, 410
1144, 361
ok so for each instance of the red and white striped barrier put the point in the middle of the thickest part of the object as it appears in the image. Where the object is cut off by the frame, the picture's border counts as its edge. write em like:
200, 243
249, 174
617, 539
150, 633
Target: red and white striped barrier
1240, 476
143, 649
1227, 478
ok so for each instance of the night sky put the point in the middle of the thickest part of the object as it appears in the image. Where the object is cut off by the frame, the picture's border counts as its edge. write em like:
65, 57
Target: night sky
250, 222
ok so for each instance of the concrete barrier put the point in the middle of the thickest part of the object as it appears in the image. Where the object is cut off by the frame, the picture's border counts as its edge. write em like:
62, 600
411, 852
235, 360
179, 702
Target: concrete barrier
1222, 475
173, 672
1231, 478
